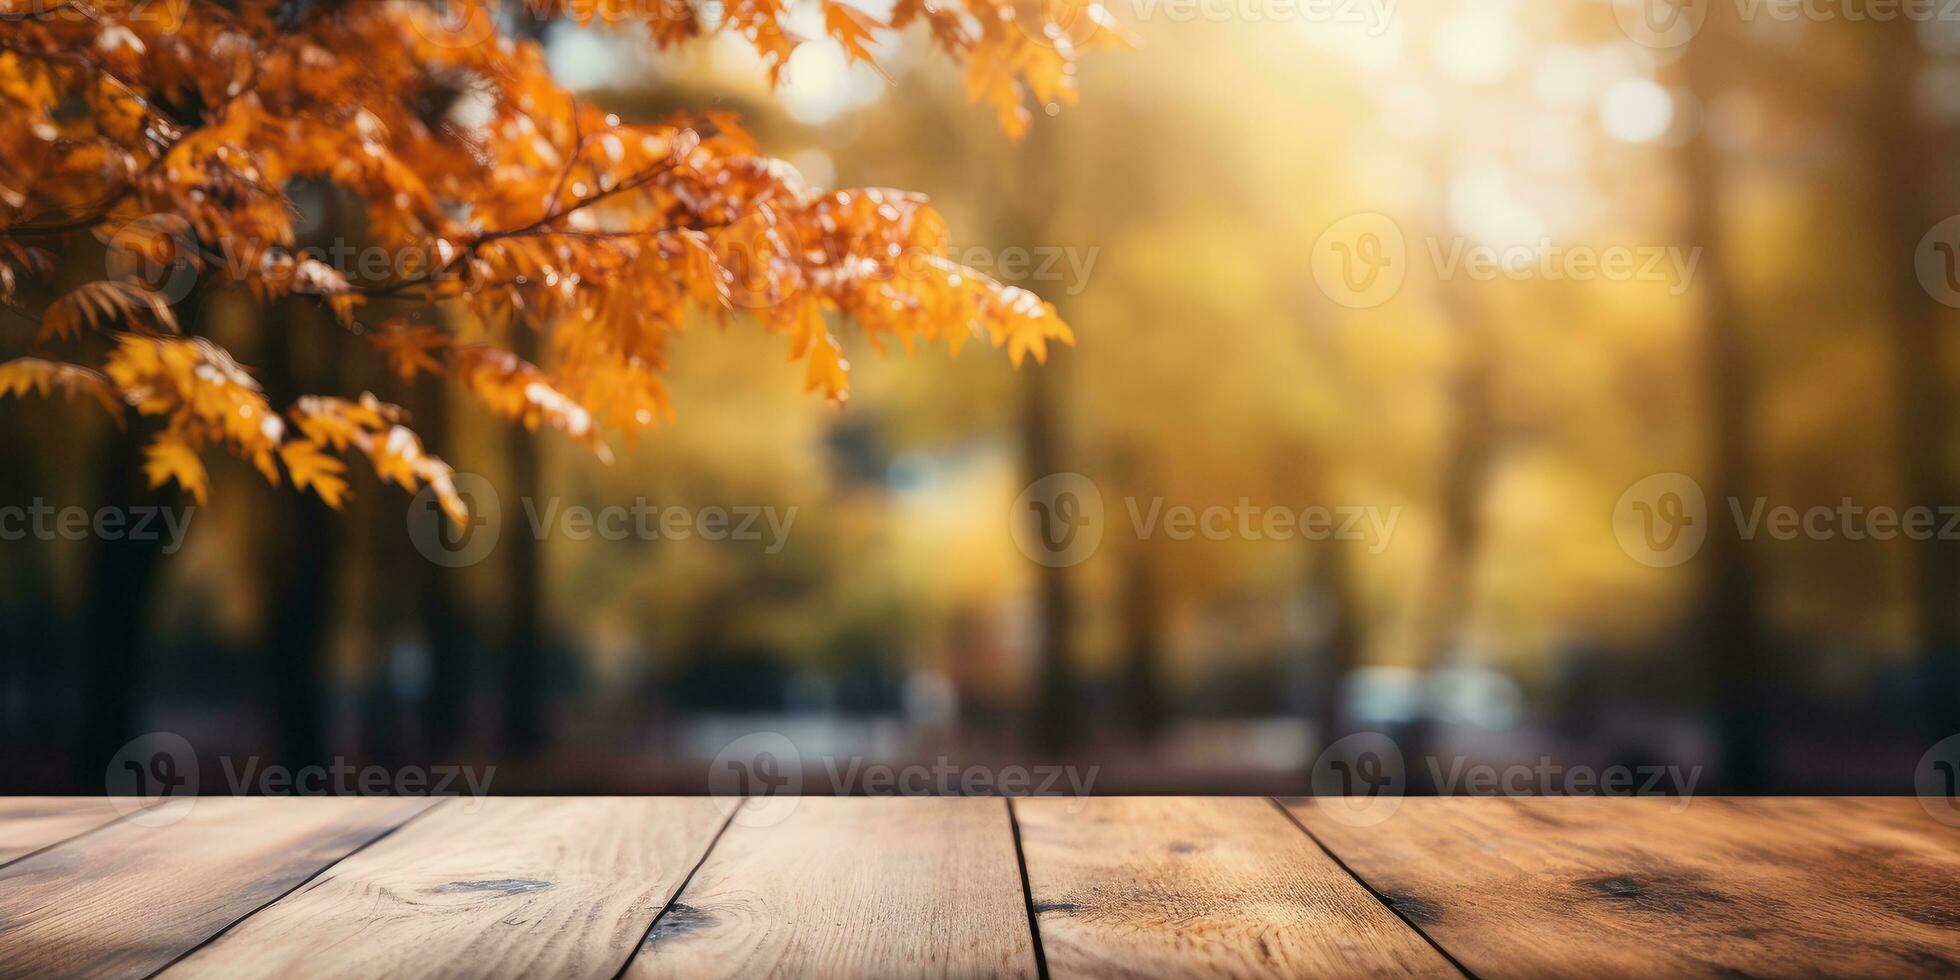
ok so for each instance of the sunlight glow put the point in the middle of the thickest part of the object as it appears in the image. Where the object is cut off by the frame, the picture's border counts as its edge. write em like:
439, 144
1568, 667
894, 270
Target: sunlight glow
1377, 47
1557, 142
1484, 207
1478, 44
1565, 75
1410, 111
1636, 110
820, 83
815, 165
583, 58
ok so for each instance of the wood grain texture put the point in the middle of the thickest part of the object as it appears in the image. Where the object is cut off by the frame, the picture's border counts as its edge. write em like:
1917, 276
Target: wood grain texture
29, 823
853, 887
514, 887
1178, 886
1591, 886
127, 899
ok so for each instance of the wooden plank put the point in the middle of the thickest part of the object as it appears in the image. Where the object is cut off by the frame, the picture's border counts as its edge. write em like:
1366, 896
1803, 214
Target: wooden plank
562, 887
1179, 886
852, 887
29, 823
1591, 886
129, 898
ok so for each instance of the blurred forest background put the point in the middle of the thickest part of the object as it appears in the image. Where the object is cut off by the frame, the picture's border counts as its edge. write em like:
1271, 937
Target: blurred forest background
1804, 362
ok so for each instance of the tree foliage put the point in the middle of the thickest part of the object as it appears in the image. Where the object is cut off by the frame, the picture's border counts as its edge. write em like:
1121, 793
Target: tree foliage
179, 132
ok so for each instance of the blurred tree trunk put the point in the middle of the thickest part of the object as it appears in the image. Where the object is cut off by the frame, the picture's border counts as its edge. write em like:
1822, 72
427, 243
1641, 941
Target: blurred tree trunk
31, 629
1056, 725
1141, 614
299, 628
524, 674
386, 591
446, 697
300, 550
1900, 173
1148, 708
1465, 474
1331, 582
1056, 708
415, 699
122, 577
1730, 619
445, 704
1464, 477
1330, 634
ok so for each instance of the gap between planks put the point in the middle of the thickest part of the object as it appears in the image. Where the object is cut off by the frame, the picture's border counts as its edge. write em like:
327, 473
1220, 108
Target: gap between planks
1027, 893
309, 879
1363, 882
647, 937
109, 820
1032, 923
1168, 885
681, 892
851, 886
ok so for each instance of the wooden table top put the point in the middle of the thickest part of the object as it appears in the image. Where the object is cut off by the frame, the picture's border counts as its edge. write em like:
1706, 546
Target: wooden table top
1105, 887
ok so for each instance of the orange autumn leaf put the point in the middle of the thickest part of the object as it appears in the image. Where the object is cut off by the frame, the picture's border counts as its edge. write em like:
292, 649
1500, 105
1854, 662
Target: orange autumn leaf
178, 141
172, 459
314, 470
410, 349
105, 303
34, 375
851, 28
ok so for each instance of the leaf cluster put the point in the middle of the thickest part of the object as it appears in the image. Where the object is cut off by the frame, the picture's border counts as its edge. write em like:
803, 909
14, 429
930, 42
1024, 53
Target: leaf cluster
177, 133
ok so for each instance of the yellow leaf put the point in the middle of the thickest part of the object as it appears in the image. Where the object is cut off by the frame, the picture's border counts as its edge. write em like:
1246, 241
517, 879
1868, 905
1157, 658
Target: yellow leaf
169, 458
394, 458
32, 374
314, 470
103, 303
828, 370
